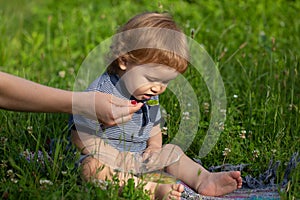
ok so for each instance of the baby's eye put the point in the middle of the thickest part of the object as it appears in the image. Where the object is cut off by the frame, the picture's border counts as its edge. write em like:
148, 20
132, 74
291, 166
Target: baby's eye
165, 82
151, 79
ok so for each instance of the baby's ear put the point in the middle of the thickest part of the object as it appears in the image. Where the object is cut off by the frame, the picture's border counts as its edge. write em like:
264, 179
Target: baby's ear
122, 63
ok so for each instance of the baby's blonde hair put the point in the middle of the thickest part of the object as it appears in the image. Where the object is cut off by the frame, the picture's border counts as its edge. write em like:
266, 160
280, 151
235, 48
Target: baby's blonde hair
150, 38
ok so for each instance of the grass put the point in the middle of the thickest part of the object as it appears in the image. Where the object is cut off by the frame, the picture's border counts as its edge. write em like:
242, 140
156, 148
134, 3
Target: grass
255, 45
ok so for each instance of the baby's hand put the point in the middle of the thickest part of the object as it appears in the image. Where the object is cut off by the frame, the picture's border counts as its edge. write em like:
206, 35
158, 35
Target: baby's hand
151, 150
159, 158
152, 158
125, 162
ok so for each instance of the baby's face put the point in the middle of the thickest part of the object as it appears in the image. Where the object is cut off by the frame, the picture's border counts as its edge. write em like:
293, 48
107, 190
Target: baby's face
144, 81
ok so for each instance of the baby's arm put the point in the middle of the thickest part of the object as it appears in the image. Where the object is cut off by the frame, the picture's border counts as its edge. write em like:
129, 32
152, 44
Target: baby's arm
156, 155
155, 140
105, 153
91, 144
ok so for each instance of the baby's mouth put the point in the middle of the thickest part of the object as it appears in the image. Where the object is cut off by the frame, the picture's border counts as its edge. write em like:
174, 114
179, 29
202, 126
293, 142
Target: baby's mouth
147, 96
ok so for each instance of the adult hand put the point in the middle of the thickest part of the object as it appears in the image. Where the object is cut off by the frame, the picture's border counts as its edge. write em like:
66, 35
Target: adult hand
112, 110
106, 108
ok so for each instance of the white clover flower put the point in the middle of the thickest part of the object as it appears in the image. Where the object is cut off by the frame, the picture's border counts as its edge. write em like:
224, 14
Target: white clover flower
206, 105
30, 129
262, 33
243, 134
64, 173
226, 151
164, 130
45, 182
160, 6
10, 173
62, 74
255, 153
221, 126
14, 180
273, 151
3, 164
186, 115
223, 111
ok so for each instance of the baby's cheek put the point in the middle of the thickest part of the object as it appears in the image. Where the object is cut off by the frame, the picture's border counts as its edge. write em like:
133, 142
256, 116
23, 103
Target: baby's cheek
134, 84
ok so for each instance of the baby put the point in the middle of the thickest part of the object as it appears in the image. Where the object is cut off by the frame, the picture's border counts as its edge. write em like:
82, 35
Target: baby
147, 53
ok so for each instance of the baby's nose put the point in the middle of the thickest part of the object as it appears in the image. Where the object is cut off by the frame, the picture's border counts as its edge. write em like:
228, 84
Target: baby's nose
156, 88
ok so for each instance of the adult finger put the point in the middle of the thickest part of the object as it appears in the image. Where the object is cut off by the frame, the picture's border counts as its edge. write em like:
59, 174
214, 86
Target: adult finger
132, 104
122, 102
135, 108
123, 119
124, 114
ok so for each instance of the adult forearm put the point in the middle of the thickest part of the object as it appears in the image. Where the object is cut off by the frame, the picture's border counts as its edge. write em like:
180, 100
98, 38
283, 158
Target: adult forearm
23, 95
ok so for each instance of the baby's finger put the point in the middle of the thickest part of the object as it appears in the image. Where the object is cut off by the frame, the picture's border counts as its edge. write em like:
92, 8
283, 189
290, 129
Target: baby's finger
146, 157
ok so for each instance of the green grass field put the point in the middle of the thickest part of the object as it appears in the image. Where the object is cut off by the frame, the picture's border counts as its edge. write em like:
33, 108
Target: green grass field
255, 45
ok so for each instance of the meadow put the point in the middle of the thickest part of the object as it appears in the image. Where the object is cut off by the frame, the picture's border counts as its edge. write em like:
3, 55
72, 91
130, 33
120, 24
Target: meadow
254, 44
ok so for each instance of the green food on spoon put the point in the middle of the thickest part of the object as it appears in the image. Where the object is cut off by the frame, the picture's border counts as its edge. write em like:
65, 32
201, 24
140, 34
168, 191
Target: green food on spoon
152, 102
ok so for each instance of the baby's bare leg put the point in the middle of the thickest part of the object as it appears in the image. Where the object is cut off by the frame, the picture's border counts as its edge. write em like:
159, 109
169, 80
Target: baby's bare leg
93, 169
204, 182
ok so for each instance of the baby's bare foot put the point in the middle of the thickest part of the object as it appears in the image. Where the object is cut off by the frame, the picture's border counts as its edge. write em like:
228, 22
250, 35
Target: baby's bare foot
220, 183
165, 191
